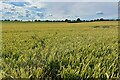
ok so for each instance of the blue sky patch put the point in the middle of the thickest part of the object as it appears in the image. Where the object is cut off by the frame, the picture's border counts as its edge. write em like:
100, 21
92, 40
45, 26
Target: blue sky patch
17, 3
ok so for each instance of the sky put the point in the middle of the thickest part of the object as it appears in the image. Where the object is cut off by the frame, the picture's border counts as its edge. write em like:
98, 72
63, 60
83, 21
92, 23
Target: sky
58, 9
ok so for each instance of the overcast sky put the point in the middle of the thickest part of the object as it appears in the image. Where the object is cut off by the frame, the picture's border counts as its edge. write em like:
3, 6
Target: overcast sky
58, 9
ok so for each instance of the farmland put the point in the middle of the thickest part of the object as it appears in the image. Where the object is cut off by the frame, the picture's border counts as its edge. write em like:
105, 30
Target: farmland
59, 50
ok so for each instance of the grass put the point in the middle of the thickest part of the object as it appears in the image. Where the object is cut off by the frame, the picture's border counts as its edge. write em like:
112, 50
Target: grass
60, 50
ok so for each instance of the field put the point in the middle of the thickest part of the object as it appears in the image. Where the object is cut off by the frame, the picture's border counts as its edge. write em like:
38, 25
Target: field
59, 50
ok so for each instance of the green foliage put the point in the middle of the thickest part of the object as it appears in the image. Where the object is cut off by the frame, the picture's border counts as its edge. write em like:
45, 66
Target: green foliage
60, 52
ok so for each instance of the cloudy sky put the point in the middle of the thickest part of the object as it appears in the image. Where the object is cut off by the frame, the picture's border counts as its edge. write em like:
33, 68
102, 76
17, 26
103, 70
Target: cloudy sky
58, 9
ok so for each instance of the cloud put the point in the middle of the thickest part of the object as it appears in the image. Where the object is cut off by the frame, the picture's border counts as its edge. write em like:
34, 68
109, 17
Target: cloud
33, 3
22, 10
31, 10
1, 5
6, 6
0, 15
99, 13
83, 10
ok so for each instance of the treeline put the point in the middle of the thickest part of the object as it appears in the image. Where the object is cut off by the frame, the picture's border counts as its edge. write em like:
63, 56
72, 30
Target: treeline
66, 20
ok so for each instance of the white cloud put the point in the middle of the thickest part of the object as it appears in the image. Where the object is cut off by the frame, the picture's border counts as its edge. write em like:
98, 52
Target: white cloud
14, 11
36, 4
0, 14
6, 6
28, 11
99, 13
1, 6
56, 10
20, 10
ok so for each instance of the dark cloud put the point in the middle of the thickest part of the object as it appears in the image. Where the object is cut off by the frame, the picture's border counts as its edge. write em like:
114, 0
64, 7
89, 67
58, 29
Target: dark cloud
8, 13
50, 15
41, 15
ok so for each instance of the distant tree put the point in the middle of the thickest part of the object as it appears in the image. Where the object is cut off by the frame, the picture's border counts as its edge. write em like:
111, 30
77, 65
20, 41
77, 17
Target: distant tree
36, 20
66, 20
117, 19
69, 21
98, 20
5, 20
91, 20
16, 20
101, 19
83, 20
47, 21
62, 21
78, 20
